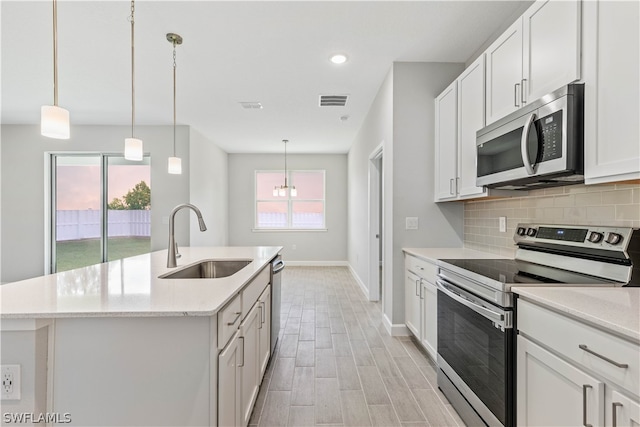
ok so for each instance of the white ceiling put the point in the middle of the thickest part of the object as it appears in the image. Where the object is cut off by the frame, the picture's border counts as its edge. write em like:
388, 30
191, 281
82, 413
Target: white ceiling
273, 52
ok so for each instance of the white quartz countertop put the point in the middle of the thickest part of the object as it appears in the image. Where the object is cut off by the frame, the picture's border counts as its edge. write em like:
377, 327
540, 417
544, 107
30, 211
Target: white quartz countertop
434, 254
614, 309
131, 288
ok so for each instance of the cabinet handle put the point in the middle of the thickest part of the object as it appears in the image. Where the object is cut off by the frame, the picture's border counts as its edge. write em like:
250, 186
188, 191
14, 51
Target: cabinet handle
421, 297
584, 405
606, 359
614, 415
515, 94
523, 92
260, 319
417, 281
451, 186
457, 185
264, 312
242, 338
238, 314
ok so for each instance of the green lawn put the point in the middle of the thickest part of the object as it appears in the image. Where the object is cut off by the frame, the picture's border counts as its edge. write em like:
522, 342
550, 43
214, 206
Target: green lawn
80, 253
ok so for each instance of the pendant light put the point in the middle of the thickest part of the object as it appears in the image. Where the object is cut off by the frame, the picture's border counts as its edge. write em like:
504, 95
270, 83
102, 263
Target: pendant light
133, 146
54, 120
282, 190
175, 163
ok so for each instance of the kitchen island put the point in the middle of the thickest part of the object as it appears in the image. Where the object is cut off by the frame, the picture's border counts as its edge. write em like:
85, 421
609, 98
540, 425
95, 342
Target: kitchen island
114, 344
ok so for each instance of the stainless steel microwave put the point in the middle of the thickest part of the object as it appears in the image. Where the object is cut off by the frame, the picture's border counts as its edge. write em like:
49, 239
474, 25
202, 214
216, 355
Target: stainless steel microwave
540, 145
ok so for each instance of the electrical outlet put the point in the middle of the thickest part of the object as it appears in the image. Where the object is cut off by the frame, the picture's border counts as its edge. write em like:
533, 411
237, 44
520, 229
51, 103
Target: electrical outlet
10, 382
411, 223
503, 224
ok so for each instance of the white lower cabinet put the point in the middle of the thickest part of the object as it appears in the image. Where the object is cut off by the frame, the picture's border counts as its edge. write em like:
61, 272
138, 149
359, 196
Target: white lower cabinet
412, 302
551, 391
229, 375
621, 411
264, 352
429, 336
421, 302
250, 377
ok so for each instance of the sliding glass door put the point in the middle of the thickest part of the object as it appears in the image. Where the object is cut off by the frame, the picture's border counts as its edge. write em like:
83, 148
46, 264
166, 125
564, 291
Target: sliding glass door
100, 209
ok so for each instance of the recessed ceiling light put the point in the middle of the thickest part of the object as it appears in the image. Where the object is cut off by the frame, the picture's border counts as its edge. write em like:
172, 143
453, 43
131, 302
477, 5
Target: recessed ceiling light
338, 58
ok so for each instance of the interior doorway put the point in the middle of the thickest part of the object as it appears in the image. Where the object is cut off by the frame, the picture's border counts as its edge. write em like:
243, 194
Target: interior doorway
376, 229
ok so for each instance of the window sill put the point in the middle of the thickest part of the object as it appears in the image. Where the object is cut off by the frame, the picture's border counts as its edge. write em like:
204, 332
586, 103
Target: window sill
288, 230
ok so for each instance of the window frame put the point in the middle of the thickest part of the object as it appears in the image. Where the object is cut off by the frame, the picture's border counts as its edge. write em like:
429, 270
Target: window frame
290, 200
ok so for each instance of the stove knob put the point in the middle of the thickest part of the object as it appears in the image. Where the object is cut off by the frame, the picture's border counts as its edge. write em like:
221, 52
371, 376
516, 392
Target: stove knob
595, 237
613, 238
521, 231
531, 232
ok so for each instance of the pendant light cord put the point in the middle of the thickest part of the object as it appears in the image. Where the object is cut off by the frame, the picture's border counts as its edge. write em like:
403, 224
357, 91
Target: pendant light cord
133, 69
285, 163
174, 98
55, 53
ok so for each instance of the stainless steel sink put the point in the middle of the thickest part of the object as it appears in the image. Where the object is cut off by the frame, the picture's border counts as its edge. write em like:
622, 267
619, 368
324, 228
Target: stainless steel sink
209, 269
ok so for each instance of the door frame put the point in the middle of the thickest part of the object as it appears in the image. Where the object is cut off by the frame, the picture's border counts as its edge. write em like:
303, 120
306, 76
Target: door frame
375, 223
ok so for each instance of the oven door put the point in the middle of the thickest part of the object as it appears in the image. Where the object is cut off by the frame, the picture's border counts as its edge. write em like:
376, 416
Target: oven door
475, 351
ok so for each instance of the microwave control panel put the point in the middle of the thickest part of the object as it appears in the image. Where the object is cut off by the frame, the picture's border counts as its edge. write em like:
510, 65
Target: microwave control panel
550, 136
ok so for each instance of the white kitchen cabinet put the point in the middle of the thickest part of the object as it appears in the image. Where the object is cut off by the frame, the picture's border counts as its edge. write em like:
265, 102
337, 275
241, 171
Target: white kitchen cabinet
551, 391
536, 55
421, 302
429, 326
446, 143
621, 411
264, 352
229, 375
250, 378
612, 84
412, 302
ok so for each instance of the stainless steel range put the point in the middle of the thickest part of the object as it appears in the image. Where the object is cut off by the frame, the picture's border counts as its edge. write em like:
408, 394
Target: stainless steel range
476, 338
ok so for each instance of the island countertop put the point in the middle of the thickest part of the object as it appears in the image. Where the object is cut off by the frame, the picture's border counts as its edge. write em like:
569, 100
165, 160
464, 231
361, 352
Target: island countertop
130, 287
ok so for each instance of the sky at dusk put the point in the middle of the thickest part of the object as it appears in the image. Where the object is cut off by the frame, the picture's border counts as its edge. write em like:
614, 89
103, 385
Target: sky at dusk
78, 187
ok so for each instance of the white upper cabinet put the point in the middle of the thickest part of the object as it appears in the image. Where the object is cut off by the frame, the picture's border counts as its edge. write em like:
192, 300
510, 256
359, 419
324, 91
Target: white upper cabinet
538, 54
446, 142
612, 86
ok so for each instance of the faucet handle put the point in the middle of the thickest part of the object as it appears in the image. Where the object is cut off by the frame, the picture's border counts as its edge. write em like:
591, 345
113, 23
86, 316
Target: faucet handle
178, 254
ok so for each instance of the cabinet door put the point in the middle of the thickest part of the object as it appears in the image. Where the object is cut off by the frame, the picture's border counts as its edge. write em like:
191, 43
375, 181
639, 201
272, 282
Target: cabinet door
265, 331
612, 83
250, 365
504, 73
551, 47
552, 392
446, 143
622, 411
229, 379
412, 302
430, 319
470, 120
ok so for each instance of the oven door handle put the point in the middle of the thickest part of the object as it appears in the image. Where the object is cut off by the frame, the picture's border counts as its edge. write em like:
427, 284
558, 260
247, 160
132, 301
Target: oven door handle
498, 318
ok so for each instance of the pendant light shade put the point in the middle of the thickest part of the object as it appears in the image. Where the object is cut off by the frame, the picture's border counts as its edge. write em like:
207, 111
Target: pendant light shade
54, 120
175, 165
133, 149
282, 190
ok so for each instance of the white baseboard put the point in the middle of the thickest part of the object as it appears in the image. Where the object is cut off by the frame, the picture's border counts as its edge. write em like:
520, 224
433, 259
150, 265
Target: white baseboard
397, 330
316, 263
359, 281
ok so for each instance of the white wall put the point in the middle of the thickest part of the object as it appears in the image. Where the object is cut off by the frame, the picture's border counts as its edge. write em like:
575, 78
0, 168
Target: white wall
23, 189
402, 115
208, 190
312, 247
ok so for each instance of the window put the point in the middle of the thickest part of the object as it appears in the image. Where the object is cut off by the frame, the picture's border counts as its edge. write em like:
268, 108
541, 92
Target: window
304, 211
100, 209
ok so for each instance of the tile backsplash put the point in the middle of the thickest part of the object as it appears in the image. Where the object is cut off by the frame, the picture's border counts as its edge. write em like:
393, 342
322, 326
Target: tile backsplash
608, 204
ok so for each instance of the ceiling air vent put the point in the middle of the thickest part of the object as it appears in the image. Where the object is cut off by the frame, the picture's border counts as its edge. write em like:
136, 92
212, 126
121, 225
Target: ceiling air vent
333, 100
251, 105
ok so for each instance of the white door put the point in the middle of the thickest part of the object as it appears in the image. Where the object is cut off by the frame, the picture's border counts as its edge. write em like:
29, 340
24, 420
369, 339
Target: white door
250, 335
412, 302
504, 74
552, 392
470, 120
612, 83
622, 411
265, 331
446, 143
430, 319
229, 378
551, 47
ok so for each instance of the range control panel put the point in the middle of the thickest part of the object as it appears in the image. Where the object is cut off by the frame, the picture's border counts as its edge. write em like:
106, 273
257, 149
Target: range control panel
574, 235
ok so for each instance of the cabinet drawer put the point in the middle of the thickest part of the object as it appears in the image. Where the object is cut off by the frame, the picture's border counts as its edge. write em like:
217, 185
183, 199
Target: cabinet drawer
566, 336
253, 290
229, 319
422, 268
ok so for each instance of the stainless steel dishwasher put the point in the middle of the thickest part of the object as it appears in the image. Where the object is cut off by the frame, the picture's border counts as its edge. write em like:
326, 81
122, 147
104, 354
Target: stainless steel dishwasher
277, 265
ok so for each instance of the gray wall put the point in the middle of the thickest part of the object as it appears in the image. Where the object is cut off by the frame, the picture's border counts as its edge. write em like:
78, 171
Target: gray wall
312, 247
402, 115
208, 190
23, 189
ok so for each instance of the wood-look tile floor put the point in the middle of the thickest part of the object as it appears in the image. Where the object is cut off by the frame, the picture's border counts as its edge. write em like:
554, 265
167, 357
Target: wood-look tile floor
335, 364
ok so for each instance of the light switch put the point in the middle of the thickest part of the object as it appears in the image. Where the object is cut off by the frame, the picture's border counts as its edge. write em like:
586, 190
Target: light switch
411, 223
502, 224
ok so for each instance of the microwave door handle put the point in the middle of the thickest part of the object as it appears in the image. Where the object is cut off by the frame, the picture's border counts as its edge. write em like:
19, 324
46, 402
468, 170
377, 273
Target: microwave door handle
524, 146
